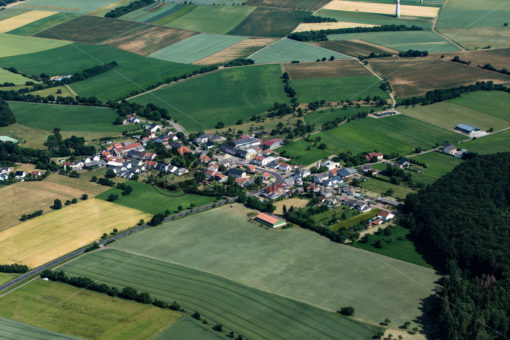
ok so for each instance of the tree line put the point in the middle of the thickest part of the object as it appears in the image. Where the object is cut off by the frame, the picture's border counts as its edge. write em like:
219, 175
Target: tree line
13, 268
322, 35
133, 6
460, 223
85, 74
6, 115
413, 54
316, 19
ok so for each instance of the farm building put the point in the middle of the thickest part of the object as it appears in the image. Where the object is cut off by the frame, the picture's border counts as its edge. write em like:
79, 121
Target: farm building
450, 149
8, 139
466, 128
272, 144
270, 220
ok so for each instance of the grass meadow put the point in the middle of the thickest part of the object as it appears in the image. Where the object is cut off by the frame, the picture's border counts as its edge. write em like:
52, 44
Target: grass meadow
82, 313
154, 200
355, 219
196, 47
9, 77
381, 187
287, 50
7, 277
247, 311
186, 328
481, 109
57, 233
499, 142
225, 96
10, 329
225, 242
43, 24
321, 116
438, 165
15, 45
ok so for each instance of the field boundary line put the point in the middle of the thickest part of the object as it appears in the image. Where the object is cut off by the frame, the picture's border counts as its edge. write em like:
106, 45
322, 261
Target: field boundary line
72, 91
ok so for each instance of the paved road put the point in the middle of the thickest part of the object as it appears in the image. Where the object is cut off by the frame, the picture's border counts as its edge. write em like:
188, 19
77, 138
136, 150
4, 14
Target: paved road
80, 251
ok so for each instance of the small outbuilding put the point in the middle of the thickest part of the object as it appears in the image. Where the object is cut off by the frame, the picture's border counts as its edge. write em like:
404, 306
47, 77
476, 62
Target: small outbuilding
270, 220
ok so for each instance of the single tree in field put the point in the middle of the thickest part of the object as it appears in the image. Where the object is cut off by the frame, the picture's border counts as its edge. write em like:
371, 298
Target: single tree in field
57, 204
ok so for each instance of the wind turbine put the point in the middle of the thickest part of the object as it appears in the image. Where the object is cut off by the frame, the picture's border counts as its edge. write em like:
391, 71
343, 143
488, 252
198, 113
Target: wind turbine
397, 13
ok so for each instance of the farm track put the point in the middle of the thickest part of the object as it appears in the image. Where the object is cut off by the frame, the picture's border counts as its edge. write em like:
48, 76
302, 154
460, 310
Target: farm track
462, 49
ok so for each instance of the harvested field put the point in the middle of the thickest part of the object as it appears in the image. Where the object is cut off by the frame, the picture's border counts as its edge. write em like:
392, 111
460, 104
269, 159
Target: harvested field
415, 77
14, 45
375, 18
270, 22
291, 202
89, 29
303, 27
355, 48
43, 24
23, 19
149, 39
369, 7
237, 51
51, 235
498, 58
331, 69
308, 5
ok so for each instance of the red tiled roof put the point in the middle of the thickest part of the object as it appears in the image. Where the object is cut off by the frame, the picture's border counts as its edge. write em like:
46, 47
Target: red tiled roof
271, 219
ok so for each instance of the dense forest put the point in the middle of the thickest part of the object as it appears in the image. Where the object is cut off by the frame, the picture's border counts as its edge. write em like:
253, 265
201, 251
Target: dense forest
461, 223
6, 115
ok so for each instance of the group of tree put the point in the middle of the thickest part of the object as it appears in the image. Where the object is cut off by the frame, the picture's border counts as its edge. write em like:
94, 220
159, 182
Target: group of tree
257, 204
316, 19
457, 59
36, 213
6, 115
287, 88
461, 224
239, 62
85, 74
11, 153
413, 54
322, 35
13, 268
133, 6
489, 67
73, 146
374, 55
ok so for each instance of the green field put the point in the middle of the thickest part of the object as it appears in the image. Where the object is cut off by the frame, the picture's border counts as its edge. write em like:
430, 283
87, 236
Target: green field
403, 41
9, 77
473, 13
337, 89
67, 117
396, 245
309, 5
12, 12
155, 200
438, 165
270, 22
196, 47
287, 50
399, 134
381, 187
499, 142
247, 311
481, 109
134, 72
187, 328
227, 96
321, 116
13, 330
15, 45
150, 13
373, 18
43, 24
6, 277
205, 18
82, 313
74, 6
223, 241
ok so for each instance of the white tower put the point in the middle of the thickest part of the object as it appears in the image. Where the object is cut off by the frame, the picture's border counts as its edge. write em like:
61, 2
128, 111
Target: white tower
397, 14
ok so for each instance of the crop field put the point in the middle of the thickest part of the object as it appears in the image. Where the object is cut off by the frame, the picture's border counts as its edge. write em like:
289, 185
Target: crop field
186, 328
403, 41
15, 45
499, 142
154, 200
270, 22
43, 24
74, 6
226, 243
67, 117
305, 27
431, 3
399, 134
100, 12
225, 96
176, 12
382, 8
438, 165
241, 50
253, 313
51, 235
481, 109
472, 13
12, 12
89, 29
321, 116
337, 89
474, 38
9, 77
23, 19
133, 72
149, 39
82, 313
196, 47
374, 18
10, 329
287, 50
354, 48
381, 187
291, 202
333, 69
415, 77
27, 197
499, 58
204, 18
307, 5
151, 13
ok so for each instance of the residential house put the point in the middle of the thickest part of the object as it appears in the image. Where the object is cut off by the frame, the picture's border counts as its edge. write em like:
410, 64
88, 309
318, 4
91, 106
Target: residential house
237, 173
153, 128
261, 160
131, 120
243, 182
285, 167
330, 165
202, 139
19, 174
180, 171
36, 173
367, 168
403, 163
450, 149
346, 172
386, 215
377, 155
319, 178
275, 190
205, 159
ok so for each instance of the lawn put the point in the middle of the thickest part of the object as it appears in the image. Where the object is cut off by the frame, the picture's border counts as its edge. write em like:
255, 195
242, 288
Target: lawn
225, 96
248, 311
381, 187
403, 41
187, 328
270, 22
481, 109
438, 165
290, 202
43, 24
196, 47
287, 50
204, 18
9, 77
10, 329
54, 234
15, 45
337, 89
67, 117
499, 142
224, 242
309, 5
373, 18
133, 73
82, 313
75, 6
154, 200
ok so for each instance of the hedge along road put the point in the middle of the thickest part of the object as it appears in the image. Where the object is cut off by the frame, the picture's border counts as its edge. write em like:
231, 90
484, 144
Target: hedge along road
80, 251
